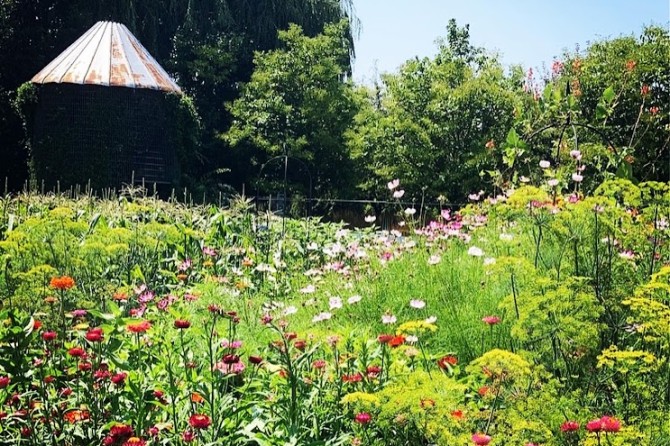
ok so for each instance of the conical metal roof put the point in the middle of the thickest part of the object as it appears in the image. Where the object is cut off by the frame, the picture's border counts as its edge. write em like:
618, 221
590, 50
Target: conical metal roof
107, 54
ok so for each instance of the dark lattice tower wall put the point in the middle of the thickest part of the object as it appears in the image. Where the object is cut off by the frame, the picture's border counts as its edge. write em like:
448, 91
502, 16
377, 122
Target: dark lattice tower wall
105, 114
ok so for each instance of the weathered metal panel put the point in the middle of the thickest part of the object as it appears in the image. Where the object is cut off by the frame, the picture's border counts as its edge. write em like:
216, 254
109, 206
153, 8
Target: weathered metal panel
107, 54
98, 72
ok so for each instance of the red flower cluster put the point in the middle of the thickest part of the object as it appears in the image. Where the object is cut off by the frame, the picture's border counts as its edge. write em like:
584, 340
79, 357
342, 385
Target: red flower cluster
569, 426
119, 378
446, 361
181, 324
77, 352
121, 434
49, 335
355, 378
62, 283
363, 418
604, 424
95, 335
384, 338
199, 421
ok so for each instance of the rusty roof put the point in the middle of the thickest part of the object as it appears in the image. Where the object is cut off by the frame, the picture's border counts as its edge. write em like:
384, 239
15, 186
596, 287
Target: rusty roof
107, 54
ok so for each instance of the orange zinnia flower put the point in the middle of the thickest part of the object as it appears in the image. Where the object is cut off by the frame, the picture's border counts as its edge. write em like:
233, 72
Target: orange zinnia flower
397, 341
63, 283
139, 327
76, 415
197, 398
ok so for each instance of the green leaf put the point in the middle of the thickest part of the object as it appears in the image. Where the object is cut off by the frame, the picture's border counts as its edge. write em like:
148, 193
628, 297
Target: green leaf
136, 273
513, 139
608, 95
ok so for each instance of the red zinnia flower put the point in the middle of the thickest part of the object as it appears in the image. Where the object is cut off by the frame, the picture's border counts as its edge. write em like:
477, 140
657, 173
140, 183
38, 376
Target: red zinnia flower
384, 338
356, 377
570, 426
119, 378
255, 360
77, 352
37, 325
373, 371
49, 335
300, 344
139, 327
62, 283
188, 436
445, 361
594, 426
121, 431
397, 341
181, 324
199, 421
85, 366
319, 364
610, 424
135, 441
363, 418
94, 335
4, 381
481, 439
230, 359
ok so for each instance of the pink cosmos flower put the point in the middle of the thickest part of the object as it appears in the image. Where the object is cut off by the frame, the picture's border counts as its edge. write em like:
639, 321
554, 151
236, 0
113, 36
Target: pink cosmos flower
481, 439
491, 320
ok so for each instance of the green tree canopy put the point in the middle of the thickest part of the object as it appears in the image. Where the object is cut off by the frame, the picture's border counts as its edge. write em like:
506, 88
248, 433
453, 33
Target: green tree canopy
299, 102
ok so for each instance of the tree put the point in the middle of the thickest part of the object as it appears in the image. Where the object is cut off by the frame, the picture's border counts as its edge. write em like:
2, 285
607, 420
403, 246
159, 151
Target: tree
434, 120
299, 102
636, 118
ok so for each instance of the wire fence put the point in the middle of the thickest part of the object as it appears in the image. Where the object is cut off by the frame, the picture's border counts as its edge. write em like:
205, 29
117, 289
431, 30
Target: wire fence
388, 214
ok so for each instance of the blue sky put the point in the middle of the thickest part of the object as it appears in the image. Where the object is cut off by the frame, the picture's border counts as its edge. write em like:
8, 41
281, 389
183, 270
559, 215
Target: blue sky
522, 31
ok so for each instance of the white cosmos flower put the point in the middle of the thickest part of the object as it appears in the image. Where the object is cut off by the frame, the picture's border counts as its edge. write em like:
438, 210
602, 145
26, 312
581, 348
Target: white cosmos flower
431, 320
577, 178
354, 299
290, 310
309, 289
388, 319
434, 259
489, 261
410, 211
417, 303
393, 184
553, 182
370, 218
398, 193
335, 303
474, 251
545, 164
322, 317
